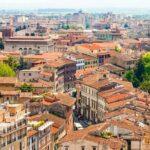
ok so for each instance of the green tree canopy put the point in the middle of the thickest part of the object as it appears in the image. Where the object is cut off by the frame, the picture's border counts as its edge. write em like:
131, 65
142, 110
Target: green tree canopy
23, 64
13, 63
6, 70
118, 48
26, 88
129, 75
140, 76
1, 44
65, 26
87, 25
33, 34
145, 86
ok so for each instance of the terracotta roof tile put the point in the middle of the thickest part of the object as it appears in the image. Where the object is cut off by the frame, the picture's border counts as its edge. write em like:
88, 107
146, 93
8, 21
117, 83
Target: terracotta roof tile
8, 80
30, 133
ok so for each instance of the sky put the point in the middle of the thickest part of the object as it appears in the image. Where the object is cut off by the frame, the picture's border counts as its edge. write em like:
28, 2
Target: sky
74, 4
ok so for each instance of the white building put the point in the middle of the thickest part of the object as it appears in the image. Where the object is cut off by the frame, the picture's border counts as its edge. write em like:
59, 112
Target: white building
29, 75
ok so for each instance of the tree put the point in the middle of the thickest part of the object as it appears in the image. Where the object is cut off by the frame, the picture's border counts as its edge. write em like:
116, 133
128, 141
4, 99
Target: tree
135, 82
145, 86
23, 64
139, 70
26, 88
107, 27
1, 45
65, 26
13, 63
118, 48
129, 75
140, 76
24, 27
126, 25
6, 71
33, 34
87, 25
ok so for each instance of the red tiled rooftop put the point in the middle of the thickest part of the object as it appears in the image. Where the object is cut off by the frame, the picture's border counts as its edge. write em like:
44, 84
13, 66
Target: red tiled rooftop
9, 92
54, 130
30, 133
59, 62
8, 80
84, 72
99, 46
116, 97
65, 99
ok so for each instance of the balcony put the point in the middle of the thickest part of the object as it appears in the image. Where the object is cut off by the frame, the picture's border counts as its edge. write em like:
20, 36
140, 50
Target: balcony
44, 134
11, 129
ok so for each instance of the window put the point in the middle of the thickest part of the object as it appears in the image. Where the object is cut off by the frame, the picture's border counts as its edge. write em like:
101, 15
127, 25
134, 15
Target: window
66, 147
82, 147
11, 114
94, 148
20, 146
29, 74
89, 90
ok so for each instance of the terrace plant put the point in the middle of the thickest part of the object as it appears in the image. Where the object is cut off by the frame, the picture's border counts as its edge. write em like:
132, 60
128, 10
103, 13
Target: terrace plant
26, 88
37, 125
104, 134
6, 70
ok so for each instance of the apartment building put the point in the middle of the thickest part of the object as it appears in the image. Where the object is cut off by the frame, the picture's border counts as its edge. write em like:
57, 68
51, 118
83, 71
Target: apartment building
109, 135
39, 135
28, 44
71, 37
101, 25
99, 94
101, 51
107, 35
57, 130
89, 105
131, 44
8, 83
124, 60
63, 71
62, 105
13, 131
41, 58
82, 60
29, 75
9, 96
90, 138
